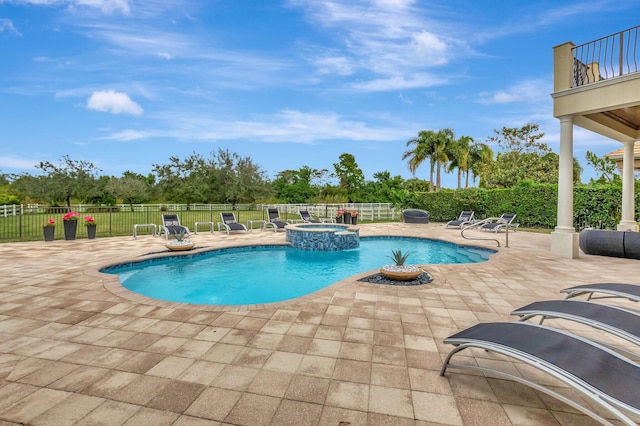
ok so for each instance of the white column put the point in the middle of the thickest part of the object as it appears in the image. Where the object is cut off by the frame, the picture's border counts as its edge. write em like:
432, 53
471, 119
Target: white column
564, 238
628, 222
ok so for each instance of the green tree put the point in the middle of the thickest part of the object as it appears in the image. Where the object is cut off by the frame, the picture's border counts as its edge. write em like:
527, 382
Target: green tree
238, 179
298, 186
62, 182
480, 160
349, 174
183, 180
460, 156
130, 188
522, 157
605, 166
423, 148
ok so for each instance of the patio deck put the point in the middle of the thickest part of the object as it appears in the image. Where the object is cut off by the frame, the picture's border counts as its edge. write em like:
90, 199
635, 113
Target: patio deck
76, 348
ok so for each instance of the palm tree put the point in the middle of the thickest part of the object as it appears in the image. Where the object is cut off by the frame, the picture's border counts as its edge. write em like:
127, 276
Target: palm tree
443, 141
481, 156
423, 148
459, 154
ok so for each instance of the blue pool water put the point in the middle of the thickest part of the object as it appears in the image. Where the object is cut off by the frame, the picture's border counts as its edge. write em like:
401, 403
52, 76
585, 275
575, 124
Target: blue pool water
265, 274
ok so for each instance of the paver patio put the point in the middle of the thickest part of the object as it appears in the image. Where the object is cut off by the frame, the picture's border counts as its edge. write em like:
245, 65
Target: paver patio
77, 348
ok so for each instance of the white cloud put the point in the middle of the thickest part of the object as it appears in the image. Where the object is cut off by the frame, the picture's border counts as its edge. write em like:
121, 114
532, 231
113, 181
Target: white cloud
17, 163
399, 83
530, 91
291, 126
7, 25
113, 102
105, 6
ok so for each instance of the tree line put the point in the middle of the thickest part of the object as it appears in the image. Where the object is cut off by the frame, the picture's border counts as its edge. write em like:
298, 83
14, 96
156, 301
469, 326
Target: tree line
227, 177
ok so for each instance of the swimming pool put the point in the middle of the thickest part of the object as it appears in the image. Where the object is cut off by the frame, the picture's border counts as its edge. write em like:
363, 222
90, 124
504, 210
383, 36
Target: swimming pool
266, 274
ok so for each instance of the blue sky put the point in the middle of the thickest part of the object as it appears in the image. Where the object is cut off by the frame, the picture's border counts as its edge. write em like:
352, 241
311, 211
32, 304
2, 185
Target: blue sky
129, 83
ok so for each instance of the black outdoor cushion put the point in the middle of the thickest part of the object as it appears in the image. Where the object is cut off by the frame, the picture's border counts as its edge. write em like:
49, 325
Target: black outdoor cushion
610, 243
415, 216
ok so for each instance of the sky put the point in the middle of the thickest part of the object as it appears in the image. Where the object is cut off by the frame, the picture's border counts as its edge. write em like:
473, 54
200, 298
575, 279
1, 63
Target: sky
126, 84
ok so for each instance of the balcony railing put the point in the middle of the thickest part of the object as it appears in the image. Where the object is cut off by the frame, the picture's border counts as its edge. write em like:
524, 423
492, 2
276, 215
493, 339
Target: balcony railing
611, 56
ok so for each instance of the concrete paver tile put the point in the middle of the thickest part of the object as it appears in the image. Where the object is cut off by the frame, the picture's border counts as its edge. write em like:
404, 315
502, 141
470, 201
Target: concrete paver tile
253, 410
176, 396
109, 413
296, 413
69, 411
349, 395
34, 404
271, 383
308, 389
214, 404
149, 416
391, 401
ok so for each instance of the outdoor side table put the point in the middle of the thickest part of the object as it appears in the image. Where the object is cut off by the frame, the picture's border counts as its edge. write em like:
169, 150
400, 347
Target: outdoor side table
211, 226
143, 225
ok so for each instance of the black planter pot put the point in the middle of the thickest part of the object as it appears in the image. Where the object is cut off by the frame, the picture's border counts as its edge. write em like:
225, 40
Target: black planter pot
49, 232
70, 228
91, 232
354, 220
338, 219
346, 218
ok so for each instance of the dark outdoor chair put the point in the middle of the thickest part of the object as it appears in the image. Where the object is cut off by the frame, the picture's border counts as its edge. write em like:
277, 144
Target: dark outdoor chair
465, 218
597, 373
171, 226
274, 220
620, 322
230, 223
306, 217
498, 224
627, 291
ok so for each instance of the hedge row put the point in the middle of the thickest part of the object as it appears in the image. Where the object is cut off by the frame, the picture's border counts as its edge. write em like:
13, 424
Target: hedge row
535, 205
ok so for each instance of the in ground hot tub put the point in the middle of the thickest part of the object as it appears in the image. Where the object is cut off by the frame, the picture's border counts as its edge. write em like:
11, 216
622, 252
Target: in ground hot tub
323, 236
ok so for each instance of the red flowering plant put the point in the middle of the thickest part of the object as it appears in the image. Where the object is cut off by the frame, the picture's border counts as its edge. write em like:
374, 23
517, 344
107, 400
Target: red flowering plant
354, 214
50, 222
71, 216
339, 213
88, 220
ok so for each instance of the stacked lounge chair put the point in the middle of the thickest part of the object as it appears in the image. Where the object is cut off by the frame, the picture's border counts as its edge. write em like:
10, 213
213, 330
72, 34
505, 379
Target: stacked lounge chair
607, 375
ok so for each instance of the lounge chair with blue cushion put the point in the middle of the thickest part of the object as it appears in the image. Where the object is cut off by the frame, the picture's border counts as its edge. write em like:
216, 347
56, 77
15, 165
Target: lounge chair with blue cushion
171, 226
498, 224
597, 373
274, 220
230, 223
306, 217
465, 218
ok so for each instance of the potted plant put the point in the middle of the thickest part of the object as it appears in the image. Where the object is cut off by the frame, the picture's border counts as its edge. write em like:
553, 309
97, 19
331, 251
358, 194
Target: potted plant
399, 271
49, 229
346, 217
70, 221
180, 243
339, 214
354, 218
90, 223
